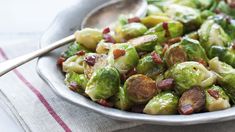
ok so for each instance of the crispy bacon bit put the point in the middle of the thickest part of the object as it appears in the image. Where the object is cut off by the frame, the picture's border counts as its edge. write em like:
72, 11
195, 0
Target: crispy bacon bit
81, 53
73, 86
105, 103
90, 60
166, 46
166, 28
174, 40
134, 19
166, 84
108, 38
118, 53
156, 58
106, 30
186, 109
60, 61
213, 93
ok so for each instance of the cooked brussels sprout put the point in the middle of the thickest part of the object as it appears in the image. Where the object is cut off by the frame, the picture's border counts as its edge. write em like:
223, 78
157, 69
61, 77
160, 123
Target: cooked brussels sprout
191, 101
189, 74
103, 84
153, 10
225, 8
166, 30
73, 49
74, 64
103, 47
76, 82
144, 43
121, 100
89, 38
140, 88
187, 50
132, 30
92, 62
148, 67
164, 103
211, 33
153, 20
190, 17
226, 76
158, 49
123, 57
216, 99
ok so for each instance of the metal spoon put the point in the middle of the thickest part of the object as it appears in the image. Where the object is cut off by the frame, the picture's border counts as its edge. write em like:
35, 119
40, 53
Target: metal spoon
98, 18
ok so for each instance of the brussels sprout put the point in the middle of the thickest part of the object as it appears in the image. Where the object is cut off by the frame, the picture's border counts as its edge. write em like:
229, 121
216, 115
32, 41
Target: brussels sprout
225, 54
187, 50
188, 16
189, 74
140, 88
89, 38
205, 4
76, 82
121, 100
148, 67
206, 14
132, 30
211, 33
74, 64
153, 10
144, 43
92, 62
224, 8
103, 47
216, 99
193, 35
151, 21
226, 76
166, 30
191, 101
125, 61
73, 49
103, 84
165, 103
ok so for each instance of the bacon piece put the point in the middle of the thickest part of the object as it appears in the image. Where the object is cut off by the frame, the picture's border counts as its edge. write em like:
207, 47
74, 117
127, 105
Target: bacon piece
60, 61
166, 28
156, 58
105, 103
213, 93
106, 30
118, 53
90, 60
166, 84
108, 38
134, 19
81, 53
186, 109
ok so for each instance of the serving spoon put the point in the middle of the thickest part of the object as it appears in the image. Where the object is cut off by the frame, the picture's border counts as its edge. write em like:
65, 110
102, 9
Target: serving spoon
102, 16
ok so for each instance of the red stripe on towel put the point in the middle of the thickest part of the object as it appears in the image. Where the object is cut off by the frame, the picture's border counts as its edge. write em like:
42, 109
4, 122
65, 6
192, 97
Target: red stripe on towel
39, 95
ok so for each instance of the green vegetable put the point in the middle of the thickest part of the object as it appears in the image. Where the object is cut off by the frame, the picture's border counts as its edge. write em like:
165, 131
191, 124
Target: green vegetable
103, 84
224, 8
89, 38
189, 74
73, 49
126, 62
214, 103
103, 47
121, 100
165, 103
226, 76
132, 30
153, 10
79, 79
74, 64
153, 20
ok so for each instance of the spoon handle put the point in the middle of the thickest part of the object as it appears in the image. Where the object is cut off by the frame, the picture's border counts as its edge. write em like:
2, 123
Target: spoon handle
13, 63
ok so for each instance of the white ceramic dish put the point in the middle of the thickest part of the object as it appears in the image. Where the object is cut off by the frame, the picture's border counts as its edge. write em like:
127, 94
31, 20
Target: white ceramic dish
65, 24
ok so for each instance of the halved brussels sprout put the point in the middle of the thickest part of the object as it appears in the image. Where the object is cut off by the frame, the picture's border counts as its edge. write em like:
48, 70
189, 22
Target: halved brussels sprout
103, 47
74, 64
153, 20
166, 30
103, 84
125, 60
148, 67
164, 103
226, 76
121, 100
140, 88
189, 74
187, 50
216, 99
132, 30
153, 10
144, 43
89, 38
191, 101
92, 62
73, 48
76, 82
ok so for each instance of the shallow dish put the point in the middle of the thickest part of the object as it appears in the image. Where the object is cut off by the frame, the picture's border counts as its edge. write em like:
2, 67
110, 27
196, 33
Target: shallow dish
65, 24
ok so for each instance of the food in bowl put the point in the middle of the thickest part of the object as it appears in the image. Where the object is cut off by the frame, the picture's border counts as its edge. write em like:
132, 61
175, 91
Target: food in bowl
178, 59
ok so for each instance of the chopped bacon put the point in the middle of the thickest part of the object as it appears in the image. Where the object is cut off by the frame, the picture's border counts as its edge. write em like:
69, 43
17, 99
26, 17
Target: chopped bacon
108, 38
156, 58
174, 40
105, 103
166, 84
186, 109
60, 61
134, 19
213, 93
166, 28
90, 60
106, 30
81, 53
73, 86
232, 5
118, 53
